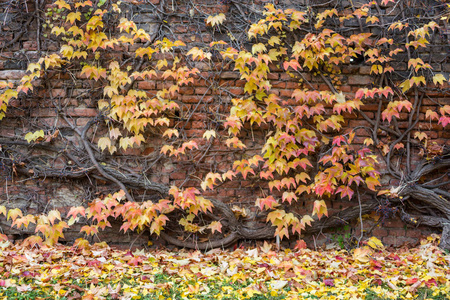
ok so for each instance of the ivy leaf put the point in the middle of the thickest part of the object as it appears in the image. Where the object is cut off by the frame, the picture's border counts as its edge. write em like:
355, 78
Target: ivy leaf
14, 213
420, 135
368, 142
75, 211
71, 17
210, 179
215, 226
268, 202
91, 230
300, 244
405, 86
439, 79
3, 210
320, 208
345, 191
103, 143
215, 20
54, 215
62, 4
34, 136
170, 133
208, 134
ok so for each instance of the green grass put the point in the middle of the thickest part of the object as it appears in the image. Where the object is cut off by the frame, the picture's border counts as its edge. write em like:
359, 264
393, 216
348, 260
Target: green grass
217, 290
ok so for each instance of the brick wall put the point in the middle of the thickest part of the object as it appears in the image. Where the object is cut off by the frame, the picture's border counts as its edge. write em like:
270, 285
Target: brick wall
209, 95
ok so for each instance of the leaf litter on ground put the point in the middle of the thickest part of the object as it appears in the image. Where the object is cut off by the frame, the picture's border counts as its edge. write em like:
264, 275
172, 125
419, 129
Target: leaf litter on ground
100, 272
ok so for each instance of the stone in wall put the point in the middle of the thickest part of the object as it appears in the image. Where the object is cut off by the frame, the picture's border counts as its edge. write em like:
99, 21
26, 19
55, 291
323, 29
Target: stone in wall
64, 196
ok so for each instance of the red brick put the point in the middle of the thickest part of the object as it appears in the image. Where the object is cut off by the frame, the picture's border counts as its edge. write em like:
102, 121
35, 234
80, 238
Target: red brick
177, 175
82, 112
279, 84
236, 91
398, 241
202, 91
359, 80
12, 74
285, 93
230, 75
30, 45
44, 112
380, 232
397, 232
199, 124
186, 90
365, 70
58, 93
146, 85
394, 223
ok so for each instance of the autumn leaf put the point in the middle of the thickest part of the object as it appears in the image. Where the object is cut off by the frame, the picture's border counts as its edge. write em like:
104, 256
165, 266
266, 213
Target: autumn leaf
90, 230
215, 226
420, 135
34, 136
62, 4
300, 244
103, 143
14, 213
362, 255
3, 210
171, 132
215, 20
75, 211
375, 243
72, 16
439, 79
268, 202
208, 134
320, 208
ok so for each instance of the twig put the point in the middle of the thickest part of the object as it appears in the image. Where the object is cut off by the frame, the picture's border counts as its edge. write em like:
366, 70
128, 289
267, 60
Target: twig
360, 217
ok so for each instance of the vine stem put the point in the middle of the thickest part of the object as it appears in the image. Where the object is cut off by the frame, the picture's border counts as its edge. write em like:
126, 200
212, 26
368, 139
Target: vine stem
87, 147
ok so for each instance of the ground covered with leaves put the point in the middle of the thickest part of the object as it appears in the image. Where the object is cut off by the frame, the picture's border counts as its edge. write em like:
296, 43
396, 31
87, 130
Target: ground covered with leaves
99, 272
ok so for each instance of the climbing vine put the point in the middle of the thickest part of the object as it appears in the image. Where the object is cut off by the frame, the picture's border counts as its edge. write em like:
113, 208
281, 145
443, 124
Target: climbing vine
309, 150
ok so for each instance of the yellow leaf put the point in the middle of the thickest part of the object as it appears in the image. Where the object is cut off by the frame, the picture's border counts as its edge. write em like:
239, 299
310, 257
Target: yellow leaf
215, 20
340, 98
258, 48
73, 16
72, 221
320, 208
438, 79
405, 86
362, 255
33, 136
14, 213
62, 4
75, 30
375, 243
34, 67
170, 133
53, 215
420, 135
274, 40
368, 142
208, 134
67, 51
58, 30
3, 210
103, 143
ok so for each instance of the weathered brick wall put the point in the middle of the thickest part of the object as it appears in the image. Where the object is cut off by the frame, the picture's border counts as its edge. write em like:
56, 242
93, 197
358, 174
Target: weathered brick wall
210, 94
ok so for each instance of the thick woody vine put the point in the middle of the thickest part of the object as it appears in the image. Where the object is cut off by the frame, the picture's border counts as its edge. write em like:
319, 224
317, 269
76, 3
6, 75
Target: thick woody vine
308, 151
